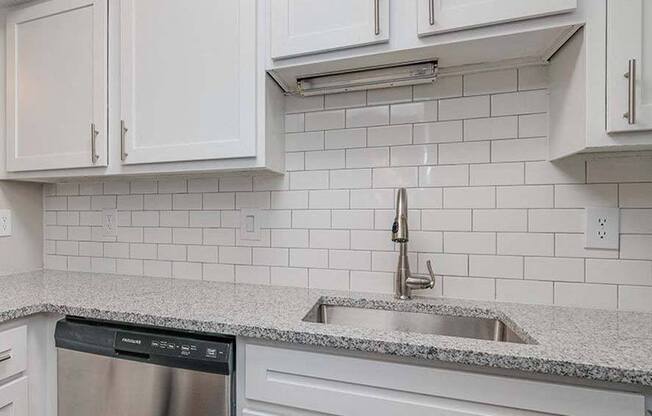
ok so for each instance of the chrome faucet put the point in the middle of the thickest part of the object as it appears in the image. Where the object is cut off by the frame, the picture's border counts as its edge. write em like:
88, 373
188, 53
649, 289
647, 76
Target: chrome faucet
405, 281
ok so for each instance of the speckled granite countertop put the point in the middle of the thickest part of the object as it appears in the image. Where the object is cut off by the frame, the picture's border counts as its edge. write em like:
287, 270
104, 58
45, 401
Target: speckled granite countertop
596, 345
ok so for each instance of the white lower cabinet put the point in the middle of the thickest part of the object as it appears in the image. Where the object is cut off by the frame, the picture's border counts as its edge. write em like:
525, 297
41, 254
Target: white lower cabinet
307, 383
14, 398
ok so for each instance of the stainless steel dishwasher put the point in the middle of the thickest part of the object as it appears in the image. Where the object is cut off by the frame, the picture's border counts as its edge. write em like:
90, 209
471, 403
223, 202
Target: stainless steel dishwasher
108, 369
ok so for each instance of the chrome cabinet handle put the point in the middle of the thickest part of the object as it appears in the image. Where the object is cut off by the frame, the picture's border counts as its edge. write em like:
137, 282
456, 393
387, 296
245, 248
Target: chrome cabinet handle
94, 133
123, 138
630, 115
377, 17
431, 12
5, 357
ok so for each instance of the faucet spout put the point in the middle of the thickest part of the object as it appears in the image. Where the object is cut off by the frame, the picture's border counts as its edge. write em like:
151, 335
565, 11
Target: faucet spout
404, 280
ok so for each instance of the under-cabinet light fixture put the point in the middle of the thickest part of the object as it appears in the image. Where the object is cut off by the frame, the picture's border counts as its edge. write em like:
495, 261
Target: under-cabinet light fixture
370, 78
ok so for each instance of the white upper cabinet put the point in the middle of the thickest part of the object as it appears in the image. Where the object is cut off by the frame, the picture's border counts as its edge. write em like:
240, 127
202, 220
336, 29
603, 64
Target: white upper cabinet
439, 16
629, 65
57, 85
302, 27
188, 80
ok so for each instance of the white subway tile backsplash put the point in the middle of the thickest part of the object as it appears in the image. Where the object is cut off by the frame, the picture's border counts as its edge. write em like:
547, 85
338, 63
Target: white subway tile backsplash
523, 291
586, 295
636, 221
472, 197
636, 246
469, 288
389, 135
406, 177
367, 158
464, 153
444, 175
329, 159
443, 87
583, 196
324, 120
526, 244
497, 174
294, 123
533, 125
532, 77
519, 103
500, 220
472, 243
494, 128
519, 150
463, 108
346, 99
503, 267
418, 112
345, 138
366, 117
328, 279
297, 142
497, 219
349, 260
628, 272
635, 298
446, 220
631, 169
389, 95
554, 269
490, 82
439, 132
329, 199
524, 197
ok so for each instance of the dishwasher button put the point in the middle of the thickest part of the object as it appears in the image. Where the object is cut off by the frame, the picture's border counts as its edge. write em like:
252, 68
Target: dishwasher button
211, 352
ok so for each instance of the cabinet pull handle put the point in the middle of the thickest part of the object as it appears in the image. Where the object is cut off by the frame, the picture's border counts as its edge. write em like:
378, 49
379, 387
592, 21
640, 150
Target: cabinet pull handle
5, 357
377, 17
123, 139
431, 12
94, 133
630, 115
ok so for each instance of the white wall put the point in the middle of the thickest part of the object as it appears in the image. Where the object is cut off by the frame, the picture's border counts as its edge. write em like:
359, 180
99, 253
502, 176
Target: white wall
497, 220
23, 251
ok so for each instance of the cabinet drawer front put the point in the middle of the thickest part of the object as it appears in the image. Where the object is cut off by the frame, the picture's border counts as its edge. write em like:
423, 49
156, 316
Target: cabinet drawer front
352, 386
13, 352
13, 398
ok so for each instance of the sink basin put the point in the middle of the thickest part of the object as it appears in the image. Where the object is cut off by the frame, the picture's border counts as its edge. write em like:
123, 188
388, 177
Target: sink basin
424, 323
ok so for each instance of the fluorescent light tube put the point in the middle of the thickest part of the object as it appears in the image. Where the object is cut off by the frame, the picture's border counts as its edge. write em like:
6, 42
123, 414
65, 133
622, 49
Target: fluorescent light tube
367, 79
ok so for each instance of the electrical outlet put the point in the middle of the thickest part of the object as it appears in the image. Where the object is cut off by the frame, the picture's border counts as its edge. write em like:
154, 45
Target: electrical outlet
5, 222
602, 228
110, 222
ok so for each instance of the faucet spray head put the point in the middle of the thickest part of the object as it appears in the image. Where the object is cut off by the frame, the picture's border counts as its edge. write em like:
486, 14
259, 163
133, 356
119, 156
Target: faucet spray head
400, 226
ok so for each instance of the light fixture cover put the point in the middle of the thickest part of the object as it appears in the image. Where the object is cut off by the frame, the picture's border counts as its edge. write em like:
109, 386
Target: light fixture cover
366, 79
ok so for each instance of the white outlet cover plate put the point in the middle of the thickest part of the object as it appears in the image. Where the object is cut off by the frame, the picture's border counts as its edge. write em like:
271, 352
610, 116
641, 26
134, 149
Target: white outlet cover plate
250, 222
602, 228
5, 222
110, 222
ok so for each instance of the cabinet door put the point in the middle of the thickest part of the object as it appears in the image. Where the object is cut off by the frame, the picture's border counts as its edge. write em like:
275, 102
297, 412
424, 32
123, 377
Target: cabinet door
13, 398
629, 44
56, 85
439, 16
188, 80
302, 27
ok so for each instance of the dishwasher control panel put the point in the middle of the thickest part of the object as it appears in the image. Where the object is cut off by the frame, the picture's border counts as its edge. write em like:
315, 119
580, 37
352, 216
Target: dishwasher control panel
177, 347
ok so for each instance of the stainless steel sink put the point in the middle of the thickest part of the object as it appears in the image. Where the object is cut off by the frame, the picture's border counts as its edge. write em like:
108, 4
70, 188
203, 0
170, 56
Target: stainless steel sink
424, 323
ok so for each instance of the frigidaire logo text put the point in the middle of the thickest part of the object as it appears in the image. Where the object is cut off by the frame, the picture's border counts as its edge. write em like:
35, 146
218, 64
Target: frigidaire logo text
132, 341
